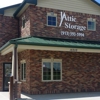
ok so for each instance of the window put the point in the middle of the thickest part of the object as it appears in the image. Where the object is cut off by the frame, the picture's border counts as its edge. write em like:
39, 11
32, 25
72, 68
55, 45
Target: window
91, 24
23, 22
23, 71
51, 19
51, 69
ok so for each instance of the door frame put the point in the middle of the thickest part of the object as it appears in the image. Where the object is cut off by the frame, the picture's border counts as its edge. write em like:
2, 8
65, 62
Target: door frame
4, 73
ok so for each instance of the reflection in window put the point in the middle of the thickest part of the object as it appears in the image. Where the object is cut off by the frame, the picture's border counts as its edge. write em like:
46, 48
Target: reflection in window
46, 71
56, 71
91, 25
51, 70
23, 71
52, 20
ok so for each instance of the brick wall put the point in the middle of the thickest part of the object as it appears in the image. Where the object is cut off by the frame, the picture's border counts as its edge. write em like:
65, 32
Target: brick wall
8, 30
37, 20
80, 72
25, 55
24, 32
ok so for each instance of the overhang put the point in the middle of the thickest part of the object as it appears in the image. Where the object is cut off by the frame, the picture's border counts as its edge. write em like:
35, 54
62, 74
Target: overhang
96, 2
23, 6
26, 3
55, 44
4, 8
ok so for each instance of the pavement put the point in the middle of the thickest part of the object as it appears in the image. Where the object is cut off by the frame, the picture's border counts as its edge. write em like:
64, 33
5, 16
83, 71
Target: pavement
65, 96
4, 96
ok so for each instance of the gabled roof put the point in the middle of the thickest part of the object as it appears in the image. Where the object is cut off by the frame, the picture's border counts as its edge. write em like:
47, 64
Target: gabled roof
8, 7
53, 42
24, 3
96, 2
35, 3
22, 6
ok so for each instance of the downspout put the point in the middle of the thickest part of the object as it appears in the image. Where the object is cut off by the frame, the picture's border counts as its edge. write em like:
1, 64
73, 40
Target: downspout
15, 62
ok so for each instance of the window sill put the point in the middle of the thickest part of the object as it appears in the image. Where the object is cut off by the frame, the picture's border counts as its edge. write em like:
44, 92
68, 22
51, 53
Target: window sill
51, 80
50, 26
90, 30
23, 80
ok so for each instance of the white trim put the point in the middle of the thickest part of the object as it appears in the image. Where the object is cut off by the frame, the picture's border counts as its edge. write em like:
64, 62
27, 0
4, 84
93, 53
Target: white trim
23, 9
51, 48
54, 15
22, 62
7, 49
52, 61
92, 20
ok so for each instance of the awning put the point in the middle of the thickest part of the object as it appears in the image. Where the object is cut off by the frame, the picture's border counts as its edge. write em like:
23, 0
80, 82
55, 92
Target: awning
51, 42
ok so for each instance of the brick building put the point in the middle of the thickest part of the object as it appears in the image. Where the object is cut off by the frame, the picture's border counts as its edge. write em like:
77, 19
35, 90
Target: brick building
51, 46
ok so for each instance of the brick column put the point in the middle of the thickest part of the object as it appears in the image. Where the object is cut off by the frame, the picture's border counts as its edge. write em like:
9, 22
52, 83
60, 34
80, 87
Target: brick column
17, 88
9, 90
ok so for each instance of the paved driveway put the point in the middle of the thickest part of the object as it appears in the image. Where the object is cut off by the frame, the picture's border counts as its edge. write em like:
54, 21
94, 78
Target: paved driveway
66, 96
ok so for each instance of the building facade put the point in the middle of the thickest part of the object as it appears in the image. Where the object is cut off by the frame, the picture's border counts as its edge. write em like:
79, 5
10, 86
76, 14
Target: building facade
57, 46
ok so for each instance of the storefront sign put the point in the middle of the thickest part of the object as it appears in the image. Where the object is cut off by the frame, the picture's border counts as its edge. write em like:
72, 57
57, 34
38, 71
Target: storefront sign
67, 20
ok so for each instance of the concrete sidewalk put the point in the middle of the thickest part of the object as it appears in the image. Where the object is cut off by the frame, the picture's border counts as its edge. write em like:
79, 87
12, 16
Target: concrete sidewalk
4, 96
65, 96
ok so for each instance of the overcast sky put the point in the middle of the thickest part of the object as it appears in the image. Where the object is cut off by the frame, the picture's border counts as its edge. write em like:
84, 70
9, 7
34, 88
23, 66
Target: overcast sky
4, 3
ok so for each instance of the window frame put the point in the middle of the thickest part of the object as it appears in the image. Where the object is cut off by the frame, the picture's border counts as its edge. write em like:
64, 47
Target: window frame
23, 23
91, 20
52, 15
52, 61
23, 78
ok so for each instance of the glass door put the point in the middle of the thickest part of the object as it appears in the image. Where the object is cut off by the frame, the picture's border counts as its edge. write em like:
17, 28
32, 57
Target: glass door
6, 75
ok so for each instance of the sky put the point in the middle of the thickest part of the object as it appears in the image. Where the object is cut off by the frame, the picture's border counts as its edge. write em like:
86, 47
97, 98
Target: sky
98, 1
4, 3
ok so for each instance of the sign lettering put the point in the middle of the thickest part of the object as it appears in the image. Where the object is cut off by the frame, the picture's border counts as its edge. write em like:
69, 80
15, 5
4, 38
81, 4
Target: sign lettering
68, 25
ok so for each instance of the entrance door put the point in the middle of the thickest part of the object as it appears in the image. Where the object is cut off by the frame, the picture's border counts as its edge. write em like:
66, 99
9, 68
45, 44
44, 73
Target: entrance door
6, 75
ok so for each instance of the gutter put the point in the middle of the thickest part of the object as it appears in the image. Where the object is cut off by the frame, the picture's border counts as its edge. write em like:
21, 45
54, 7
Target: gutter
96, 2
23, 4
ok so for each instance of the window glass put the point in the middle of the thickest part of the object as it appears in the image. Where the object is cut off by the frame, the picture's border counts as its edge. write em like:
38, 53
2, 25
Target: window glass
91, 25
46, 71
52, 20
23, 71
51, 70
56, 71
